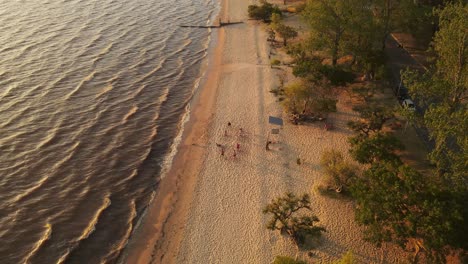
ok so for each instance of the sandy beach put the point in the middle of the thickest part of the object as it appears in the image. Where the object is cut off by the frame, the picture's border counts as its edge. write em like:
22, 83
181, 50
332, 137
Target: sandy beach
209, 207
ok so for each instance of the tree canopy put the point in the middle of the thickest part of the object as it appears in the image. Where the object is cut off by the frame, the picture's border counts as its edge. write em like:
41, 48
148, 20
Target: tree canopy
442, 91
286, 217
398, 204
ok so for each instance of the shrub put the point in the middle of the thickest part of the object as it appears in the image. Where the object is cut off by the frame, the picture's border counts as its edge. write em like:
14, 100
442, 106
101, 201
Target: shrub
339, 173
287, 260
275, 62
263, 12
347, 258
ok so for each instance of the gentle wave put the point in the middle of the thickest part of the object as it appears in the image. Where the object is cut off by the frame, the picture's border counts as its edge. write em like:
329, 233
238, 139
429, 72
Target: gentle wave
45, 236
130, 113
91, 226
85, 80
94, 96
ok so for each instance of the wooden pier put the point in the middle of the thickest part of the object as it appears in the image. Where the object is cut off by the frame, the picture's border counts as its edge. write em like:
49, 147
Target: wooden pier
221, 24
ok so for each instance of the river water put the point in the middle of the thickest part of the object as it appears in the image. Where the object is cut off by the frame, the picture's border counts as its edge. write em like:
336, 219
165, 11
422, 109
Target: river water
93, 96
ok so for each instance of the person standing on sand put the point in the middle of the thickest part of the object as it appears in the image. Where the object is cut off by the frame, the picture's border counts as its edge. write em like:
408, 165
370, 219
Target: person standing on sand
238, 146
234, 154
222, 151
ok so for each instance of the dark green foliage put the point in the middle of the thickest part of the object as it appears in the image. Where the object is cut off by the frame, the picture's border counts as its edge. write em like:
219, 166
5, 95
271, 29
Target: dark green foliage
307, 68
263, 12
373, 119
443, 91
398, 204
364, 93
297, 51
378, 147
313, 69
286, 32
417, 20
302, 68
287, 260
327, 21
337, 76
286, 218
324, 105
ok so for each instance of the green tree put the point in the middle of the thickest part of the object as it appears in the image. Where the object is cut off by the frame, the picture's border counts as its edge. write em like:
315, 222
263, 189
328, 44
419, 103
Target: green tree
361, 38
298, 96
327, 20
298, 52
373, 118
285, 32
398, 204
305, 96
451, 46
378, 147
286, 217
443, 92
345, 27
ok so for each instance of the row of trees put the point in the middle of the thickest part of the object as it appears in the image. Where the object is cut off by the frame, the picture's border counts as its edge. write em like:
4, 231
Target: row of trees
360, 28
394, 202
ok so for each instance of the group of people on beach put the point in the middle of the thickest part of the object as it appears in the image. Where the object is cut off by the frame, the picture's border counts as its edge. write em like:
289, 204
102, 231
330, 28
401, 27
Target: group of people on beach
236, 147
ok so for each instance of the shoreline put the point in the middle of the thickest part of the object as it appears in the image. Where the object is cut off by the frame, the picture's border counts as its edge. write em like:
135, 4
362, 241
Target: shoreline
175, 190
209, 207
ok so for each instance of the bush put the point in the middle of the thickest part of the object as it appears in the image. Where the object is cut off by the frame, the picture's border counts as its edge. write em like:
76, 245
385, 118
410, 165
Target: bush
287, 260
275, 62
339, 173
347, 258
324, 105
263, 12
277, 91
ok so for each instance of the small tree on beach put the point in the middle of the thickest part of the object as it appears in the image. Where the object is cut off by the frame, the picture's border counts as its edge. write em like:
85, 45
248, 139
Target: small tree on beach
286, 32
286, 218
298, 97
